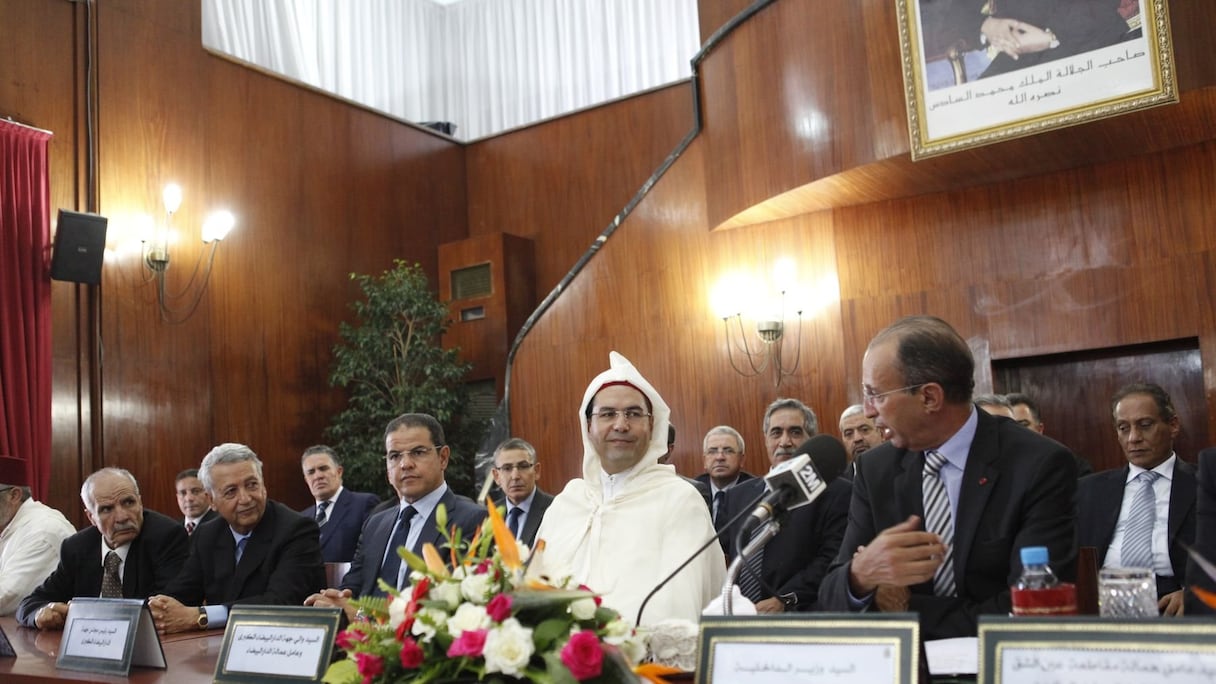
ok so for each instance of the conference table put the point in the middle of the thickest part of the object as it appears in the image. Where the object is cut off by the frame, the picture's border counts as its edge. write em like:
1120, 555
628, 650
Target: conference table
190, 656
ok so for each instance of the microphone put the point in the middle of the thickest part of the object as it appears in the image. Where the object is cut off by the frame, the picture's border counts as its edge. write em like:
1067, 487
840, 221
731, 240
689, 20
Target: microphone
800, 480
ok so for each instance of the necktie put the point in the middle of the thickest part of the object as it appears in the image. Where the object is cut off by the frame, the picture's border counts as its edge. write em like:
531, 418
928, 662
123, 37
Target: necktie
190, 528
513, 520
717, 505
749, 583
321, 517
939, 520
111, 583
391, 567
1137, 551
240, 549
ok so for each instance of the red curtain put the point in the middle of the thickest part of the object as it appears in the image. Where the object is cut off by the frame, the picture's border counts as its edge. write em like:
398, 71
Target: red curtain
25, 308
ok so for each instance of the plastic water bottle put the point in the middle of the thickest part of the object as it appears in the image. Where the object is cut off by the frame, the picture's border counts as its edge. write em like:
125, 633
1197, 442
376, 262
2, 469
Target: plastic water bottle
1038, 591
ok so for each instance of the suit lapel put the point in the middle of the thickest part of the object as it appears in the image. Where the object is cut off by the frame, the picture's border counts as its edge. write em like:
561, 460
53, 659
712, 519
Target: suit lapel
980, 477
430, 530
1107, 517
256, 548
908, 496
1182, 502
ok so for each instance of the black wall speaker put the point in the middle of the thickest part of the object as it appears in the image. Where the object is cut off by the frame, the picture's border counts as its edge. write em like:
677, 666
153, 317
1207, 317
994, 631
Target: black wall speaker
80, 244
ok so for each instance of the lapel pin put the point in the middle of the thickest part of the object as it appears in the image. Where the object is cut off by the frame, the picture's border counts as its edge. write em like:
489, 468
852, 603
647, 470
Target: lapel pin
983, 481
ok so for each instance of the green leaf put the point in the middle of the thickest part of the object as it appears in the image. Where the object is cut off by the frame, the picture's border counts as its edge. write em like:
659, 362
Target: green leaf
545, 634
342, 672
558, 672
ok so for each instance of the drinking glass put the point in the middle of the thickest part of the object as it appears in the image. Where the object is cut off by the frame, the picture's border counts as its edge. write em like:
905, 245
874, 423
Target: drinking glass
1127, 593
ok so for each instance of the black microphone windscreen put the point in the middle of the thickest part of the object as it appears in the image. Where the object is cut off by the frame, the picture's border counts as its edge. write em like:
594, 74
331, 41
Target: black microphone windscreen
827, 455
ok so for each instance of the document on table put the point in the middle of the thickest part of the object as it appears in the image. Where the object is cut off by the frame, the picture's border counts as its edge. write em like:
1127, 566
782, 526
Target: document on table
953, 656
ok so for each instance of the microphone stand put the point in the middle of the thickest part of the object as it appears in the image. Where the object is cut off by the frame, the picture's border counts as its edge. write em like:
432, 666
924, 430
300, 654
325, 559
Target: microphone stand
759, 539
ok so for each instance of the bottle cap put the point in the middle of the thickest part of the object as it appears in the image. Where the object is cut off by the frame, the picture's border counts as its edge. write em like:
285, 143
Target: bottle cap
1034, 555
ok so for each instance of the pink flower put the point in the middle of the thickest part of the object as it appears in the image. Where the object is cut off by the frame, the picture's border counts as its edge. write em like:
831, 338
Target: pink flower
411, 654
499, 608
583, 655
470, 643
370, 666
348, 639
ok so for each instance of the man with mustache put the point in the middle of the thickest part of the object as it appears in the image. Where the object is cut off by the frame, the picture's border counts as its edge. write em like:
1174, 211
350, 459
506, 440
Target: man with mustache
859, 435
1154, 494
785, 576
257, 552
129, 552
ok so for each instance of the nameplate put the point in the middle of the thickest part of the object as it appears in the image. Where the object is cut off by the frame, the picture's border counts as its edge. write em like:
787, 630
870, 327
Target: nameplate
276, 644
108, 636
1096, 651
819, 647
6, 649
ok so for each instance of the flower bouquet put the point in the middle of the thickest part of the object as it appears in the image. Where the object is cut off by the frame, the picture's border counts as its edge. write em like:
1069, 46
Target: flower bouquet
484, 616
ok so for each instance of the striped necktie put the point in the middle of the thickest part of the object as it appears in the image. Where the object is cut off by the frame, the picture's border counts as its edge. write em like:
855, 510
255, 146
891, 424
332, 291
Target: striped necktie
111, 584
750, 583
1137, 550
939, 520
321, 516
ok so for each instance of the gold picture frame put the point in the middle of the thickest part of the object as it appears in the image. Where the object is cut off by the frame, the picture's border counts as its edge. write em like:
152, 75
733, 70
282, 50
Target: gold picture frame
964, 89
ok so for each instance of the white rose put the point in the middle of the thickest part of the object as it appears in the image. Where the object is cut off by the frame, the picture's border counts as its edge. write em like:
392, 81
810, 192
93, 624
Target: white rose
477, 588
468, 617
617, 631
427, 621
396, 611
446, 592
508, 648
582, 609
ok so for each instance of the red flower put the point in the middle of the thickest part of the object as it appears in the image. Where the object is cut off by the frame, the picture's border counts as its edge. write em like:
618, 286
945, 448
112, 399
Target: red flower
499, 608
370, 666
348, 639
411, 654
583, 655
598, 599
404, 628
471, 643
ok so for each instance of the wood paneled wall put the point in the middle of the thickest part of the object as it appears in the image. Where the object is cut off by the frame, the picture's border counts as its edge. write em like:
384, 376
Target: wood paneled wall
320, 189
1101, 255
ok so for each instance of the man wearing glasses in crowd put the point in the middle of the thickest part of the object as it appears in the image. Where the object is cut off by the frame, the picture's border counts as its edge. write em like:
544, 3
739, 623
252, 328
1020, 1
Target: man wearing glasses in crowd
515, 472
415, 458
629, 521
940, 512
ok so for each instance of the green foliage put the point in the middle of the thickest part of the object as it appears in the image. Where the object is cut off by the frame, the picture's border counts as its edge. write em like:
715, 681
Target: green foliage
390, 362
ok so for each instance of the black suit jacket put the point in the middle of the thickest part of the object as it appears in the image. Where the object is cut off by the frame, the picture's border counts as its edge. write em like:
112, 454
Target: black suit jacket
281, 564
797, 558
207, 517
462, 512
1100, 498
744, 476
1018, 489
155, 558
340, 533
540, 503
1205, 532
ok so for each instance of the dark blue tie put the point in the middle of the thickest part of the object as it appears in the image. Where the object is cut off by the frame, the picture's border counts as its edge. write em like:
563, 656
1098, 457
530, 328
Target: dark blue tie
513, 520
392, 560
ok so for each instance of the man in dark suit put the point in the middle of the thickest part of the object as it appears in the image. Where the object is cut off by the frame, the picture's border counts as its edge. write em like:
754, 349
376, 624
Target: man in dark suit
794, 562
515, 472
342, 511
257, 552
1205, 535
415, 458
985, 488
858, 434
192, 499
1146, 425
1026, 413
722, 452
140, 550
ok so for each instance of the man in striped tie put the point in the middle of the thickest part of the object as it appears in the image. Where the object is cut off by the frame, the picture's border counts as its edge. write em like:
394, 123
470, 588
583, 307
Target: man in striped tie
940, 512
1143, 514
192, 499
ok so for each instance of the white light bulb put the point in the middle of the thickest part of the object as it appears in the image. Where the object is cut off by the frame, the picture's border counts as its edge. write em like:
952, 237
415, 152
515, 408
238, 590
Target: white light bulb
172, 197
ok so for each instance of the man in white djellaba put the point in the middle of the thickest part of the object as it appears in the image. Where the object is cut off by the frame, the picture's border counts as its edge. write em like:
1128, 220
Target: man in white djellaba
630, 521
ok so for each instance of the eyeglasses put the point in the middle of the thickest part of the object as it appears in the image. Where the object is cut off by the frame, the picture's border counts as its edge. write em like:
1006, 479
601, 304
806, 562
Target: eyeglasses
868, 396
610, 415
508, 468
416, 454
725, 451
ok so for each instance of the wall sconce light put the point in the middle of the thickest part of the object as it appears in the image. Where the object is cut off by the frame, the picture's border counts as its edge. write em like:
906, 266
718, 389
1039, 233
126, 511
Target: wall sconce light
732, 296
156, 257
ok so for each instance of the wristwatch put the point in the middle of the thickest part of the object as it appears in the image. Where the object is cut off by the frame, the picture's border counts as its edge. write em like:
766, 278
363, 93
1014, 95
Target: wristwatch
202, 618
789, 600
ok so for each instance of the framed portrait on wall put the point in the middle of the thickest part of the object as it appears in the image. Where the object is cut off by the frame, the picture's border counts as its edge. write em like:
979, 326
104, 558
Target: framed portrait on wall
981, 71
